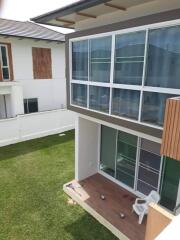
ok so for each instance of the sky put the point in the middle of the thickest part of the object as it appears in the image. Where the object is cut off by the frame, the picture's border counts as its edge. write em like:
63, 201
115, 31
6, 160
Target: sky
23, 10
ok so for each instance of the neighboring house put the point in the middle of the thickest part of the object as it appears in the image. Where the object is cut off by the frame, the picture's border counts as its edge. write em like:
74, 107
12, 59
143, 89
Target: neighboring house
123, 63
32, 80
32, 73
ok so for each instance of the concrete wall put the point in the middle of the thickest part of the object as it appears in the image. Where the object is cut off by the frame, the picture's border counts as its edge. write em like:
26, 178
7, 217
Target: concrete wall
155, 6
30, 126
86, 148
11, 99
51, 93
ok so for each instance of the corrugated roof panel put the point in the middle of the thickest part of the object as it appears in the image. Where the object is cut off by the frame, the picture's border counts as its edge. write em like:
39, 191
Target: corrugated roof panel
28, 30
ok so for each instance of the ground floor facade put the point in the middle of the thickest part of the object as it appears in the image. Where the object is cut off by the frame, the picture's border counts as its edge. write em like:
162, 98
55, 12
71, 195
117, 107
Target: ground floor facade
130, 159
11, 99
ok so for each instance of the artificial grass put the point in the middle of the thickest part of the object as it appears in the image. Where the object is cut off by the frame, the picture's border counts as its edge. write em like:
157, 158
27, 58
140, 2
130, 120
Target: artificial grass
33, 205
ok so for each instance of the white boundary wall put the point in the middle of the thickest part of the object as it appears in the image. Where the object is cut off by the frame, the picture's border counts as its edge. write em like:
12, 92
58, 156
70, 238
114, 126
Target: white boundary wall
35, 125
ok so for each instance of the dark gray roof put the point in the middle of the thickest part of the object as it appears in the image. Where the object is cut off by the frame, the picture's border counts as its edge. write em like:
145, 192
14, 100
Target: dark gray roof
28, 30
77, 6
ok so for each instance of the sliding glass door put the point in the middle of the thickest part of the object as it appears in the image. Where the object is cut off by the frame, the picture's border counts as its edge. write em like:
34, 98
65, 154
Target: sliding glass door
108, 150
126, 158
134, 162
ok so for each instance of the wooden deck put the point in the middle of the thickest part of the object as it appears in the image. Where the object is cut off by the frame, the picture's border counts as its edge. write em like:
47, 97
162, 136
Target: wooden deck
117, 200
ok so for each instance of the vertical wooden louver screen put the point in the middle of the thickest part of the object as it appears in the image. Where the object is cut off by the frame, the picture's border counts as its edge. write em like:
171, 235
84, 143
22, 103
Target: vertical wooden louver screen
42, 64
171, 135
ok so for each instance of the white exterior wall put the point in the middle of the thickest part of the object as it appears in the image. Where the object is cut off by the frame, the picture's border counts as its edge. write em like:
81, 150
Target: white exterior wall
86, 148
51, 93
149, 8
34, 125
11, 99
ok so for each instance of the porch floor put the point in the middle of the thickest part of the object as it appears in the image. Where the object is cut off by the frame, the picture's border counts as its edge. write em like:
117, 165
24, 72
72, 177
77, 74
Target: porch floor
88, 193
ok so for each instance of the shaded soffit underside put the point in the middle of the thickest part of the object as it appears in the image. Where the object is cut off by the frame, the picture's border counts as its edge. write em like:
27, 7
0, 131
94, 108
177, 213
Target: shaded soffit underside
70, 15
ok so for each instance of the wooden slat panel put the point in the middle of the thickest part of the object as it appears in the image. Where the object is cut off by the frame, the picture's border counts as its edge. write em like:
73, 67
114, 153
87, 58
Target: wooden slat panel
42, 64
158, 219
171, 135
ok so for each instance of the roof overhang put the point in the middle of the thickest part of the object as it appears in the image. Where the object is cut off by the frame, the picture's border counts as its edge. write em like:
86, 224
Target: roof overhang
70, 15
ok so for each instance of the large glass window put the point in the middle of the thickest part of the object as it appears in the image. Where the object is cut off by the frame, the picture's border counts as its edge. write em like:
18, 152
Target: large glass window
80, 60
145, 63
163, 68
122, 155
126, 158
100, 59
153, 107
125, 103
170, 184
99, 98
129, 58
108, 150
79, 95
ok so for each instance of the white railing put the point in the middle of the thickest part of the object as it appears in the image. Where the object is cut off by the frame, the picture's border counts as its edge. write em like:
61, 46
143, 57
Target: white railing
30, 126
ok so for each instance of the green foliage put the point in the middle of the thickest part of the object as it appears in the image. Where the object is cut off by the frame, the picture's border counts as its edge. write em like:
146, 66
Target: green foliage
33, 205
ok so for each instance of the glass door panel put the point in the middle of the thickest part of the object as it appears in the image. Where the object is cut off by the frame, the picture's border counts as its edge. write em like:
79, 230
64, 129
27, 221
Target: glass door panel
148, 167
170, 183
126, 158
108, 150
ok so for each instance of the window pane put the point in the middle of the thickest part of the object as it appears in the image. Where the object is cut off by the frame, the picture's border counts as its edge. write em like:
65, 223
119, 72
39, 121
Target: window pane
79, 95
149, 167
99, 98
125, 103
126, 159
25, 106
33, 105
154, 107
150, 154
100, 59
170, 183
5, 73
129, 58
4, 56
108, 150
80, 60
145, 188
163, 69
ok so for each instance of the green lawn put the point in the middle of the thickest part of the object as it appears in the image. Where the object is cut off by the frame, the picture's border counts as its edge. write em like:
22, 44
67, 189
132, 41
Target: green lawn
32, 202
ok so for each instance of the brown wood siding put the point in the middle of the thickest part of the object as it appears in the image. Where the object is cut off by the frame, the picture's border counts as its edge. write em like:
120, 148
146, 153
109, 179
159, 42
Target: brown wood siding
158, 219
10, 59
171, 135
42, 63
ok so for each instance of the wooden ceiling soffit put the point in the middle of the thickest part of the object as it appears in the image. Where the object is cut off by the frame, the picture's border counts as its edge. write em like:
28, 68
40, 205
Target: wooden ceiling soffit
86, 15
65, 21
115, 6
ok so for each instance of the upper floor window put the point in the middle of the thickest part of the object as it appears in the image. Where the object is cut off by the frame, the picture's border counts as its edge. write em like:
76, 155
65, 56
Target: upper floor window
5, 72
129, 58
100, 59
163, 65
80, 60
128, 75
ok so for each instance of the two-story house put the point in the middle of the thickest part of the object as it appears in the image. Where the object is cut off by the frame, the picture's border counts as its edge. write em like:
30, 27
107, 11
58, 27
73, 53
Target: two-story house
32, 71
122, 66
